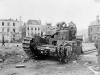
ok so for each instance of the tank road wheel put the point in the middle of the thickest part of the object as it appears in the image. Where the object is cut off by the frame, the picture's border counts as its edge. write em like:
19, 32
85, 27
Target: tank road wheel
26, 47
63, 55
59, 54
66, 58
67, 54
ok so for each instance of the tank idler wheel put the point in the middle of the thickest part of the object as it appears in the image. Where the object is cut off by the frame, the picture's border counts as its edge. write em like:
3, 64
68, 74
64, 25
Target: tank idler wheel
29, 53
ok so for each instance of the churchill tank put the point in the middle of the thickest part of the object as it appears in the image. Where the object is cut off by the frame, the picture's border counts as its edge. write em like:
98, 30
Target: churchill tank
63, 44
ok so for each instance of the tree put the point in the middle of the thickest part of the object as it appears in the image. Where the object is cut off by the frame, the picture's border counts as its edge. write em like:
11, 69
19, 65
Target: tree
22, 30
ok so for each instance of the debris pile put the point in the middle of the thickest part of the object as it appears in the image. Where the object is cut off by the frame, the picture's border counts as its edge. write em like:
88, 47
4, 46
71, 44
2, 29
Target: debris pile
12, 55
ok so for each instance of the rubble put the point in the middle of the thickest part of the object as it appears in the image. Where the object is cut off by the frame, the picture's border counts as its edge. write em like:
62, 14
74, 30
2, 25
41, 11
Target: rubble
96, 68
20, 66
1, 60
15, 63
12, 74
12, 55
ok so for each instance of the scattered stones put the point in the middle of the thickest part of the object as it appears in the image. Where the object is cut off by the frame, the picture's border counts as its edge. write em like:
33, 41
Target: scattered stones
12, 74
96, 72
74, 62
14, 59
12, 55
1, 60
88, 63
96, 68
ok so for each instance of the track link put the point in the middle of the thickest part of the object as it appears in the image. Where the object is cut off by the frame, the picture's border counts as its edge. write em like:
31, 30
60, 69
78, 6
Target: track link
26, 46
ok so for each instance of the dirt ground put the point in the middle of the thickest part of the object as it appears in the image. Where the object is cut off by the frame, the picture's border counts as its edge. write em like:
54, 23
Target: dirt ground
43, 67
46, 67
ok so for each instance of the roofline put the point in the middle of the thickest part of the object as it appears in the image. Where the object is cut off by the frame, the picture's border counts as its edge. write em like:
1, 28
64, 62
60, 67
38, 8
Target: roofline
8, 20
34, 20
33, 24
94, 25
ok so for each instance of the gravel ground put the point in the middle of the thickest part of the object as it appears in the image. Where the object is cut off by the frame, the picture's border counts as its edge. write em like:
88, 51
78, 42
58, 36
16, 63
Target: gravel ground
88, 46
47, 67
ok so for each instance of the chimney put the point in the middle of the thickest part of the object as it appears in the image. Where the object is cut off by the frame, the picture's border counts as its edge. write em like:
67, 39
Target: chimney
20, 18
39, 21
97, 18
24, 23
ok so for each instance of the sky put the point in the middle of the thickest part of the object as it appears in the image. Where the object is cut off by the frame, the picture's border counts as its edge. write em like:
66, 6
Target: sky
81, 12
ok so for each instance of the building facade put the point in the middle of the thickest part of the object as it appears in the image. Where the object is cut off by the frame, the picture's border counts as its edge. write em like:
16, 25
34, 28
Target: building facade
9, 29
33, 27
94, 30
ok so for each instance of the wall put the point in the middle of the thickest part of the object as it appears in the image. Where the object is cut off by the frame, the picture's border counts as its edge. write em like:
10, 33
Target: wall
32, 31
8, 24
93, 32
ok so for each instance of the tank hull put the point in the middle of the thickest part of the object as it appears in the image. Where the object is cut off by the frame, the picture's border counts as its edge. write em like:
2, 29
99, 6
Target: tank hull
65, 52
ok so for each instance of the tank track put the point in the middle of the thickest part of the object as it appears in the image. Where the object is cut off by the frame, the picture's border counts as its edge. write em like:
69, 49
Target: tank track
26, 46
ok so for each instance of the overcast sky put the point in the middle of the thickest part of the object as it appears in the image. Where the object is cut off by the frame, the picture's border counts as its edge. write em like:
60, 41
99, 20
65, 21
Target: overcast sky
81, 12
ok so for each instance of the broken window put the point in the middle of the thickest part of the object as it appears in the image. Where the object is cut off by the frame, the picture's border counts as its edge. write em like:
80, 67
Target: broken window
13, 30
2, 23
13, 24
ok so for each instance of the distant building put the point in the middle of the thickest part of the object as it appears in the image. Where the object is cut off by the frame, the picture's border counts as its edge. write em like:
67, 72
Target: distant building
43, 29
9, 29
79, 34
84, 34
80, 37
33, 27
50, 29
94, 30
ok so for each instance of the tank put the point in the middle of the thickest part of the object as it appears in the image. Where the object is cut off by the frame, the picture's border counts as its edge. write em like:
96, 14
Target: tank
63, 44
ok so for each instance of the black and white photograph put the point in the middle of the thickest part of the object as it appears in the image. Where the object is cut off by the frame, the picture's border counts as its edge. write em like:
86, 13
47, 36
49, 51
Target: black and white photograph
49, 37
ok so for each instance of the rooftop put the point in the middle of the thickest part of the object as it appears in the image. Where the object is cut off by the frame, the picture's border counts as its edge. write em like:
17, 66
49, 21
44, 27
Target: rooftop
8, 20
96, 22
33, 22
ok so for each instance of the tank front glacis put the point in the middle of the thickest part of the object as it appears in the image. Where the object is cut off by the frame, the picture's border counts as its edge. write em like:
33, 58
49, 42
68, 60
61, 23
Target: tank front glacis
46, 49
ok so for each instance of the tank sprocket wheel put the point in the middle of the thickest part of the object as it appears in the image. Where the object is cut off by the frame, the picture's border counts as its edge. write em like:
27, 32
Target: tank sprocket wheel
63, 56
66, 58
26, 47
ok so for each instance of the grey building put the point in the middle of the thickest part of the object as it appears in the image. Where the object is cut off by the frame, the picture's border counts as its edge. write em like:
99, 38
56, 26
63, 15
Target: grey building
94, 30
